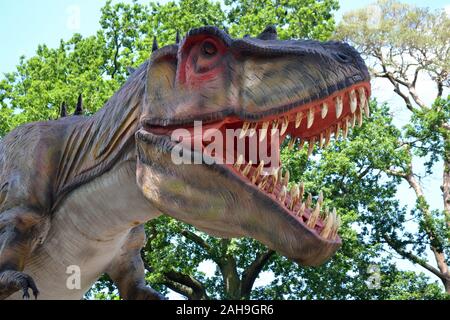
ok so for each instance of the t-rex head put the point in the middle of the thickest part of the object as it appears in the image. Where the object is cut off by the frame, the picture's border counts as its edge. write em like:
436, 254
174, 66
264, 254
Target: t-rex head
267, 90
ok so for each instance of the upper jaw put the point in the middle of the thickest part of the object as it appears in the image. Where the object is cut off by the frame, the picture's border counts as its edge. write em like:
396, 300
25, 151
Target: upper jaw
241, 113
257, 80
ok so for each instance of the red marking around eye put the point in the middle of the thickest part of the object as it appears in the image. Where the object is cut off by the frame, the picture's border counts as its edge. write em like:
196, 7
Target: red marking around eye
195, 69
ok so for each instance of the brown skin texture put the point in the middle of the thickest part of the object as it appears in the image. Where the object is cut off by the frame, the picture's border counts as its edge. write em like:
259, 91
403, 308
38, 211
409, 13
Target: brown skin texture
41, 164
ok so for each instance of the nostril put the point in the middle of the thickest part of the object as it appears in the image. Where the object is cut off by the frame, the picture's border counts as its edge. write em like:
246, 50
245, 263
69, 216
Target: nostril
342, 57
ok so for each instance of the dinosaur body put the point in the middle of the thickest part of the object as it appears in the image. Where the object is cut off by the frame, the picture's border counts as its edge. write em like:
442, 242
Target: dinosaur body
77, 191
80, 172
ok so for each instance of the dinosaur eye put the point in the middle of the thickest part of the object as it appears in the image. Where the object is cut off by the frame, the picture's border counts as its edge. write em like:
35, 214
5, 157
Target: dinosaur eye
209, 49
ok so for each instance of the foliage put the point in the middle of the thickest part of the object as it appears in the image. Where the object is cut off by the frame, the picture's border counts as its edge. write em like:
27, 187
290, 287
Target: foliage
39, 86
405, 44
294, 18
351, 173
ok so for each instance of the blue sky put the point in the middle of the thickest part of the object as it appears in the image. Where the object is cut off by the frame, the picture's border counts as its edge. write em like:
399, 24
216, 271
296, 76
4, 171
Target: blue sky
24, 24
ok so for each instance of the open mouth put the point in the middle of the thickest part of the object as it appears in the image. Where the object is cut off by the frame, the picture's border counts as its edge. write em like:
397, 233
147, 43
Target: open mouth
314, 124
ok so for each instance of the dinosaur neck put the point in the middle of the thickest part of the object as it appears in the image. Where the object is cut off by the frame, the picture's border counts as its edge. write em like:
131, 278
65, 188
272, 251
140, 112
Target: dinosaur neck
96, 144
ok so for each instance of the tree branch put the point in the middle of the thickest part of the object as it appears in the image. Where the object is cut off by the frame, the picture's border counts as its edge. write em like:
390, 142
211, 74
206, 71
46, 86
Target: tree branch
185, 285
435, 243
395, 173
252, 272
197, 240
413, 93
415, 259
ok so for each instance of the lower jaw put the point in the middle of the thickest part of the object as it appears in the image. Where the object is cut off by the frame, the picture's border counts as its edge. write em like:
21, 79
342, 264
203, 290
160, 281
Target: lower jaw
300, 213
300, 244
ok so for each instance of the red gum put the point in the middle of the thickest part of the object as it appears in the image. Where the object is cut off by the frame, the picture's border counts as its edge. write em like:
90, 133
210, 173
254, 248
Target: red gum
330, 120
308, 211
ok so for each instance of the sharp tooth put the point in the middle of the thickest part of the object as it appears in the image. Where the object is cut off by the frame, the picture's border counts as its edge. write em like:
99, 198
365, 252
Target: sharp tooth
280, 175
286, 178
335, 228
301, 144
362, 95
274, 175
252, 129
254, 177
353, 101
263, 182
353, 120
364, 102
345, 129
311, 143
291, 143
310, 118
258, 171
298, 119
366, 110
274, 127
244, 130
294, 196
329, 222
260, 167
324, 110
247, 168
284, 125
282, 195
239, 161
301, 190
339, 106
308, 201
263, 131
321, 140
360, 118
337, 130
313, 217
327, 137
301, 211
320, 198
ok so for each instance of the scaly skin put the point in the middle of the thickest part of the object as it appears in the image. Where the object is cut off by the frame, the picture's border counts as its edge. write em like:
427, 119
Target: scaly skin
78, 190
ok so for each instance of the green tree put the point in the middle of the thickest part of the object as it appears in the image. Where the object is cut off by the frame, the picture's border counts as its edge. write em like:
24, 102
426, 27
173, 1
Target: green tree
174, 250
294, 18
349, 172
404, 43
36, 90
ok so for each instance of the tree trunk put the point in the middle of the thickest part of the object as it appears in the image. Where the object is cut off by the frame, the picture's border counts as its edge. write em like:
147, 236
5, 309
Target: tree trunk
231, 279
446, 187
446, 198
435, 245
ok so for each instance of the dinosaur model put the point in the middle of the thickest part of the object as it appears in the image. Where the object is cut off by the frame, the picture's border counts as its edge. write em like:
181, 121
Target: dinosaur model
77, 191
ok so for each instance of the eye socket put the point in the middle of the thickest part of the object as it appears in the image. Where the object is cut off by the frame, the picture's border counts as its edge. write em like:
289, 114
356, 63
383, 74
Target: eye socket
209, 49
